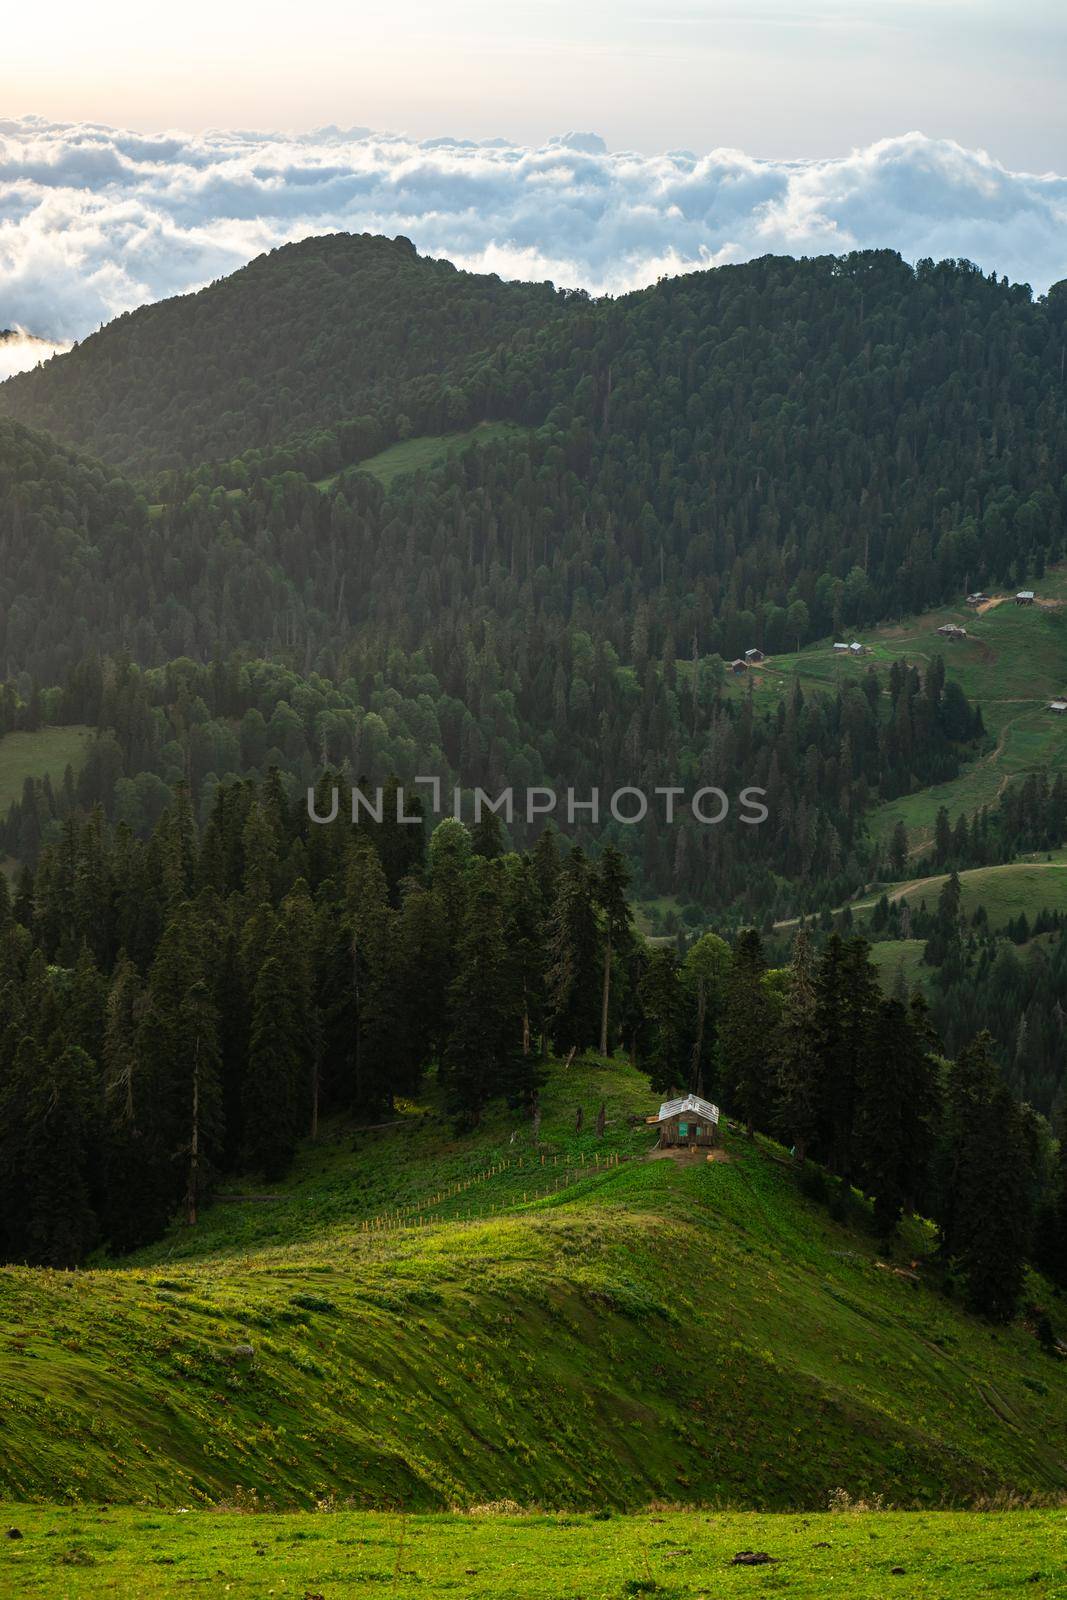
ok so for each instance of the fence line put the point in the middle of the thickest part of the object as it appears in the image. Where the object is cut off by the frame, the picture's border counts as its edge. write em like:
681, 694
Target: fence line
414, 1214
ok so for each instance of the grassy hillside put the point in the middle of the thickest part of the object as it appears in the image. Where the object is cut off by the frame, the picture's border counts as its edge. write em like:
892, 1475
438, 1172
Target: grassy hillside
415, 455
33, 755
1005, 891
1012, 663
686, 1556
437, 1321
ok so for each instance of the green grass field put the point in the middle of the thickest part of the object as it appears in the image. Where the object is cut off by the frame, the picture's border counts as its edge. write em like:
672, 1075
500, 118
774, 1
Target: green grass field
1005, 892
1012, 663
31, 755
1029, 885
415, 455
892, 956
676, 1555
440, 1321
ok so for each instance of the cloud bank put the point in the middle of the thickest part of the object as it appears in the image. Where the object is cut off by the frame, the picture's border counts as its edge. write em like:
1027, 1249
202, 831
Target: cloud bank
95, 221
19, 350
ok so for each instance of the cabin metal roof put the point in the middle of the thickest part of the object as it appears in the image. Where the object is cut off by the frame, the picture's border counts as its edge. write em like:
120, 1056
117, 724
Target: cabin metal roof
688, 1102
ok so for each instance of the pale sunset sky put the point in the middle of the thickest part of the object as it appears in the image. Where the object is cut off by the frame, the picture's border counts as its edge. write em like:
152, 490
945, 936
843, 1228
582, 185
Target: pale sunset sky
785, 79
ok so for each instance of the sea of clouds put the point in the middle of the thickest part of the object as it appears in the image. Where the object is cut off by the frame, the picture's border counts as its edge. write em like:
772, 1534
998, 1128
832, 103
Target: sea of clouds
95, 220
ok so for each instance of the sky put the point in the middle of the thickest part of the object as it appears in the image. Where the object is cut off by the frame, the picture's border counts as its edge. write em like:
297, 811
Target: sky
145, 151
786, 79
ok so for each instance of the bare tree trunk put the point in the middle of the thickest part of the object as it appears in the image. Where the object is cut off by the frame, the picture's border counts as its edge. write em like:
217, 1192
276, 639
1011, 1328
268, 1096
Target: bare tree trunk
316, 1062
696, 1070
357, 1053
601, 1119
194, 1143
315, 1100
605, 999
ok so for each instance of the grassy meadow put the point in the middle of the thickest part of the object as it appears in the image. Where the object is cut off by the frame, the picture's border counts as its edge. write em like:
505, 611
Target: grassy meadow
482, 1556
427, 1321
429, 450
32, 755
1012, 663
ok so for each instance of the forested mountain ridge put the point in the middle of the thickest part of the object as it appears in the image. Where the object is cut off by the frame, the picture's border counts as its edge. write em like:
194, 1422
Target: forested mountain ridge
723, 446
310, 334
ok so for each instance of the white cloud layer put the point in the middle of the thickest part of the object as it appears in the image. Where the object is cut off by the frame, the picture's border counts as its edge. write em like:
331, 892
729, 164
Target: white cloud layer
19, 350
95, 221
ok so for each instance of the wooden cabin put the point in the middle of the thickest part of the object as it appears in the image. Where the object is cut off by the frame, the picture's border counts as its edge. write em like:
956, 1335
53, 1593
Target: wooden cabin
950, 630
754, 656
1025, 597
976, 599
1058, 706
687, 1124
738, 666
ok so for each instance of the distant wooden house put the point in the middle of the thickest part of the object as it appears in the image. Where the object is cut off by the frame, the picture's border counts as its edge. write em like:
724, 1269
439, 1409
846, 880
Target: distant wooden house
754, 656
950, 630
978, 599
687, 1124
1058, 706
841, 647
738, 666
1025, 597
855, 648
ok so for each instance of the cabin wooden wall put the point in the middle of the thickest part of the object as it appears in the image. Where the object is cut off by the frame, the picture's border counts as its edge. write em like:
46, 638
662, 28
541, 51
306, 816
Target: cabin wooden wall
670, 1138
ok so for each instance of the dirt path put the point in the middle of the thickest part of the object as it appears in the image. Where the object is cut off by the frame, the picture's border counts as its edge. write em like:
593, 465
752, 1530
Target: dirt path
915, 885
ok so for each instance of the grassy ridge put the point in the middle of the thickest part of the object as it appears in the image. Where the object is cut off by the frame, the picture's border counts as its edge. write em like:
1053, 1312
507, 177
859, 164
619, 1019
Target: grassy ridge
1005, 891
677, 1555
646, 1330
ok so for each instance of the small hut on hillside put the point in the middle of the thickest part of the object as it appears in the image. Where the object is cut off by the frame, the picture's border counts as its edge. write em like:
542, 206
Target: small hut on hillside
688, 1123
1025, 597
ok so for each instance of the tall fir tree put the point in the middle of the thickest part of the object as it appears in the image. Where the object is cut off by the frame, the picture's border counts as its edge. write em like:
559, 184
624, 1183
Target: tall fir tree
575, 958
797, 1060
612, 882
747, 1033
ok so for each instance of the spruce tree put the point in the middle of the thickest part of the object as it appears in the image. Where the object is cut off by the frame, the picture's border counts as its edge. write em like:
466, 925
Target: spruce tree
704, 971
575, 959
797, 1060
746, 1035
483, 1053
985, 1218
278, 1049
666, 1054
613, 880
894, 1124
62, 1149
178, 1047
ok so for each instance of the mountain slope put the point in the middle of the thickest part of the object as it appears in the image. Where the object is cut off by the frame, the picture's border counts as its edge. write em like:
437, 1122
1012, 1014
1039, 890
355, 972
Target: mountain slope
310, 334
432, 1323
